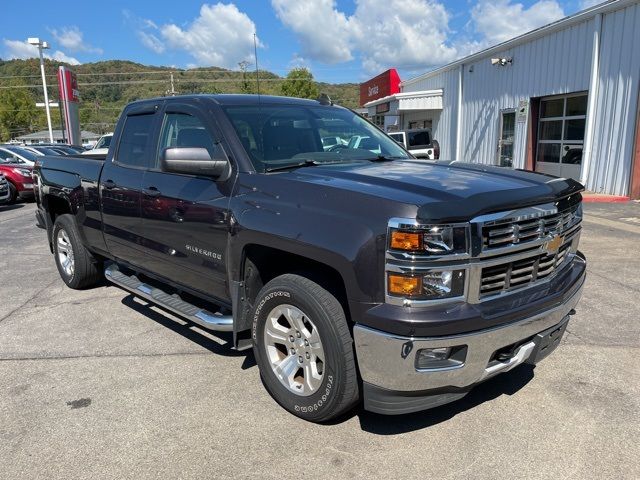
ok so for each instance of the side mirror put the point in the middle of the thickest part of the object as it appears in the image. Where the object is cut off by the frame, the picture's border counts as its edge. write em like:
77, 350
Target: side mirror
196, 161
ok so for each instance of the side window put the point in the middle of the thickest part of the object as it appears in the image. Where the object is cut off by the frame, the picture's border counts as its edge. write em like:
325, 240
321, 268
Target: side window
134, 148
183, 130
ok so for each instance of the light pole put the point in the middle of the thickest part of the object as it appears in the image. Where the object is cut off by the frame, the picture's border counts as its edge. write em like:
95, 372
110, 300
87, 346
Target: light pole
42, 46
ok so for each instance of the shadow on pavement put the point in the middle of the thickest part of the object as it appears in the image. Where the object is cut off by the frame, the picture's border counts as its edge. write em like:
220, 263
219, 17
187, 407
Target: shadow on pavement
187, 332
504, 384
8, 208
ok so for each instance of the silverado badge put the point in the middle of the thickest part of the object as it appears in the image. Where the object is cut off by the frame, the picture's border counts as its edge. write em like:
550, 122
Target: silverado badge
553, 245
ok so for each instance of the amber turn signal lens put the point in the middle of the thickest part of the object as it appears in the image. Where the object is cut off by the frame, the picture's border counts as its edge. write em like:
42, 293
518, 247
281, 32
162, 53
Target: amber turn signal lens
406, 241
405, 286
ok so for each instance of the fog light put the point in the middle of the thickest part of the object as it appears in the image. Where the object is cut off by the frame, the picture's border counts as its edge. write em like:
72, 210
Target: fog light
441, 357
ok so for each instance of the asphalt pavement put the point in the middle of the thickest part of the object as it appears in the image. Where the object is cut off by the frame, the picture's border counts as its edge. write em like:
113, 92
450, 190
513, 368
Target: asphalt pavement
97, 384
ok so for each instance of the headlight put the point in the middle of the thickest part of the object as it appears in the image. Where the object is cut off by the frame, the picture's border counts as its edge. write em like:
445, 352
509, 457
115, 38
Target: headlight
431, 285
23, 171
431, 239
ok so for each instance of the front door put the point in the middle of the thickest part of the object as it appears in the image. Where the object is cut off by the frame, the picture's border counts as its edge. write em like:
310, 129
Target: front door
185, 217
121, 184
561, 135
507, 135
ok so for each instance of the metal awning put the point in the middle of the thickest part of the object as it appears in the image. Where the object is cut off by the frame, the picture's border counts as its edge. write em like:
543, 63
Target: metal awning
427, 100
411, 101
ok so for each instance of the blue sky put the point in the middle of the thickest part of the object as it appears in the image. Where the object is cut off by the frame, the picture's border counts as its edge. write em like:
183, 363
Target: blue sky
344, 40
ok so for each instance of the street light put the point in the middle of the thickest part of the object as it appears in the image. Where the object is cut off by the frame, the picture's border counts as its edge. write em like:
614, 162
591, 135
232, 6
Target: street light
43, 46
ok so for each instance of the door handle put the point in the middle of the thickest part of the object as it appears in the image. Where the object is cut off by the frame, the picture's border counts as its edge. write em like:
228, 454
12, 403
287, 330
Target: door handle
109, 184
151, 192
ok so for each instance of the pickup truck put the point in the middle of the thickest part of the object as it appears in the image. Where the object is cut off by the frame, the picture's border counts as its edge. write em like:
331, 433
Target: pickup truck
357, 275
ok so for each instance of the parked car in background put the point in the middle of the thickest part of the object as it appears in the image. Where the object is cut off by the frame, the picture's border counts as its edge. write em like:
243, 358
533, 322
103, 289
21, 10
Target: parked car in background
43, 149
68, 149
418, 142
4, 190
19, 155
101, 148
328, 142
19, 177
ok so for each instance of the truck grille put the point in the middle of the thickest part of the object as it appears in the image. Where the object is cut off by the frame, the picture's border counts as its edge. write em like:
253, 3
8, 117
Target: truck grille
521, 273
505, 233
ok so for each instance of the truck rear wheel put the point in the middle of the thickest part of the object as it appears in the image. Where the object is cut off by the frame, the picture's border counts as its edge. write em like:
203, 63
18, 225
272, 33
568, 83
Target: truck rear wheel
304, 348
77, 266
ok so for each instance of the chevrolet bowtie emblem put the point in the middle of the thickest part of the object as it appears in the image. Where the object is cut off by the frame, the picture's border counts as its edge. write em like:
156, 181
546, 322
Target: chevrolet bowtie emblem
554, 244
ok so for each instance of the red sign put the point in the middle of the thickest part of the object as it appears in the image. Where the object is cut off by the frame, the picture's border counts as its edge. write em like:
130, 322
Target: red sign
385, 84
68, 85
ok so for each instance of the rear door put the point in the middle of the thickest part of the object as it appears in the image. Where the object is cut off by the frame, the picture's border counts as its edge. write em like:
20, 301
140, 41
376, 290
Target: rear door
121, 184
186, 217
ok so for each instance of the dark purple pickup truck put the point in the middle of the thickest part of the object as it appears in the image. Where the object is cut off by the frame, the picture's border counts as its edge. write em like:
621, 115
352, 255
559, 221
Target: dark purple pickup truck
355, 274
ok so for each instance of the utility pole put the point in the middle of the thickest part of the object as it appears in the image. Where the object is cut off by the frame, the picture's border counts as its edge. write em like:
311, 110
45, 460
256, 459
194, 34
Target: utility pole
42, 46
171, 92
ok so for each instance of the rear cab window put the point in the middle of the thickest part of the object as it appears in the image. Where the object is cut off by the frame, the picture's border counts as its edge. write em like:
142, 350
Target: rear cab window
135, 146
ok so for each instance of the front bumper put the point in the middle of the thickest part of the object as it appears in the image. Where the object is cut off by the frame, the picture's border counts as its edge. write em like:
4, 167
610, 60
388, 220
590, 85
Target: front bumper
393, 384
26, 194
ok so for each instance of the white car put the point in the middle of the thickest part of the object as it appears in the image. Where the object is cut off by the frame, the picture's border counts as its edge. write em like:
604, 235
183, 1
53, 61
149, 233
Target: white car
101, 148
418, 142
328, 142
364, 143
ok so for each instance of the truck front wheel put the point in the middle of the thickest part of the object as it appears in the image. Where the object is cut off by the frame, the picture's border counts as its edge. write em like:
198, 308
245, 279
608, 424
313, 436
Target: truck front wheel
76, 265
304, 348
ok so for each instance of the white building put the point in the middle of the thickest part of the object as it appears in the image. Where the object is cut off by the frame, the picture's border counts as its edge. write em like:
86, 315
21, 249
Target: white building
562, 99
58, 137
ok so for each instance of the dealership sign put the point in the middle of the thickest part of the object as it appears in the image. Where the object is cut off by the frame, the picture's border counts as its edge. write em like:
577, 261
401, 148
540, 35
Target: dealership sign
383, 85
69, 99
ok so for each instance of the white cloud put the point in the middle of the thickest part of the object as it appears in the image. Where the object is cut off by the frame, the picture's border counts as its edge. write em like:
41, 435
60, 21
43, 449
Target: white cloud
221, 35
150, 41
72, 39
501, 20
391, 33
18, 49
324, 32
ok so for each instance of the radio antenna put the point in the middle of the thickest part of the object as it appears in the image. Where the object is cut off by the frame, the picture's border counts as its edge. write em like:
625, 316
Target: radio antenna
255, 51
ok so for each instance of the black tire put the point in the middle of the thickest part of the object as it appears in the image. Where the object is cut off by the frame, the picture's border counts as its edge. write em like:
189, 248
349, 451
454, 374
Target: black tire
338, 391
13, 194
85, 272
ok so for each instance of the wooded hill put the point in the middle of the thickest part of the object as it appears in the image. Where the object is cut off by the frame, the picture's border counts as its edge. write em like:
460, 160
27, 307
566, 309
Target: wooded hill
105, 87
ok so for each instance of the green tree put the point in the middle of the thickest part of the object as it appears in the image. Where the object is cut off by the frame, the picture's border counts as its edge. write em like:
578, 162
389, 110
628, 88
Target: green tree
17, 112
247, 85
299, 83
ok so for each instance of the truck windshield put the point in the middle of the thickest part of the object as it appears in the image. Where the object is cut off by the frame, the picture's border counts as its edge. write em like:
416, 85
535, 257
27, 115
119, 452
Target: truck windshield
276, 136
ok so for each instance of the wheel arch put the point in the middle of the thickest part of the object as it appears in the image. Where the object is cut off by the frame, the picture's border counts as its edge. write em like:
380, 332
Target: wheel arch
261, 263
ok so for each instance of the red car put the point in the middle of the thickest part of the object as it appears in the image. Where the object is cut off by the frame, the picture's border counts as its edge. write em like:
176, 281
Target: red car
20, 182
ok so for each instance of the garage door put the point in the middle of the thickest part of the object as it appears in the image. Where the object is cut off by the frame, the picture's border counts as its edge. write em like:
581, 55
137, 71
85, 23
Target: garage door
561, 135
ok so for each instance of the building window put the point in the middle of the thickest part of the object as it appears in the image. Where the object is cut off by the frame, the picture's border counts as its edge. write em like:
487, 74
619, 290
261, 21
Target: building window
561, 135
378, 120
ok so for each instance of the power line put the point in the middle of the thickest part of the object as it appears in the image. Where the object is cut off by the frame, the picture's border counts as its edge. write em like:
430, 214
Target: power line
146, 82
181, 72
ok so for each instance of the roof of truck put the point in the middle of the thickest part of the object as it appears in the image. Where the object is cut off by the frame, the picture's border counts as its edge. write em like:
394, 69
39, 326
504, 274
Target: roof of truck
238, 99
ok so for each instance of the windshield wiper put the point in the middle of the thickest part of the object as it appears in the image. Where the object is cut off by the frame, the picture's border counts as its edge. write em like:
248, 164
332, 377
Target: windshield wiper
307, 162
384, 158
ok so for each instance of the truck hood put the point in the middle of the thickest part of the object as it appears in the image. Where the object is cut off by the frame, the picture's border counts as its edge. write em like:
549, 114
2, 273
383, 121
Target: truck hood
444, 191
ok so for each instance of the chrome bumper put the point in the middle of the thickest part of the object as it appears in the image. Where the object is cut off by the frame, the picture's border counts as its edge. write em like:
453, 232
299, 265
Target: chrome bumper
388, 361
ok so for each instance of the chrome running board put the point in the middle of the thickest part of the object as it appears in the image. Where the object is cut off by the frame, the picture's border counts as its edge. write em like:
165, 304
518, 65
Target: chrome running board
173, 303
